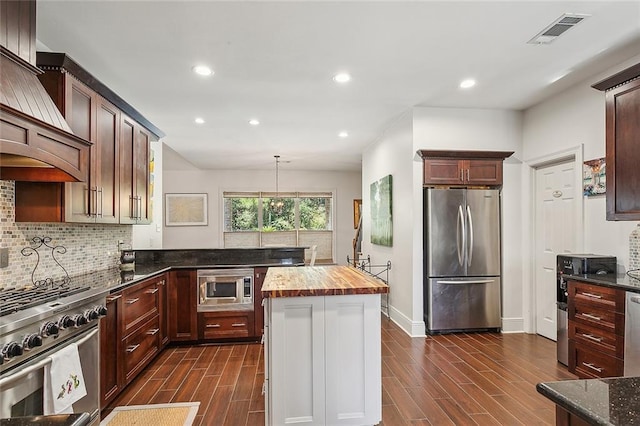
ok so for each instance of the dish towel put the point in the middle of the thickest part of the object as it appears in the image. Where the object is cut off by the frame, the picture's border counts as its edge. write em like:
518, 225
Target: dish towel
63, 381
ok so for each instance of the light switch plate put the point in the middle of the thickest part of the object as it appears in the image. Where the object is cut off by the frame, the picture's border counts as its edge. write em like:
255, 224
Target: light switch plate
4, 257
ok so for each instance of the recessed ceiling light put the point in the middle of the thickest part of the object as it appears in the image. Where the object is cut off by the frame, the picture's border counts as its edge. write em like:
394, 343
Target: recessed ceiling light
254, 122
202, 70
466, 84
199, 120
343, 134
342, 77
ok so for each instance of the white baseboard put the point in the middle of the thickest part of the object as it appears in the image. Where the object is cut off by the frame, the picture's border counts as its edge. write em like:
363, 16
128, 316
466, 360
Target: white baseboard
412, 328
513, 325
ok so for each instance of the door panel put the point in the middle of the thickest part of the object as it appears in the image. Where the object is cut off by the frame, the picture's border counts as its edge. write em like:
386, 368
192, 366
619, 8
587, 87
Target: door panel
555, 234
444, 228
483, 235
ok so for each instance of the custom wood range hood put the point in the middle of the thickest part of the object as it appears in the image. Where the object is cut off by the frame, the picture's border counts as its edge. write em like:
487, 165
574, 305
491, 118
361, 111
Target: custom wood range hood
36, 143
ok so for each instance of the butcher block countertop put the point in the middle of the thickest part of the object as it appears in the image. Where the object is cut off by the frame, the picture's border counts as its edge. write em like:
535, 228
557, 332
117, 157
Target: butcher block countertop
320, 281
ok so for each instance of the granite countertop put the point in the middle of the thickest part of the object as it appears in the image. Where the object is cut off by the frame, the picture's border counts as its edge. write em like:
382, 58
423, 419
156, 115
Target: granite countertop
320, 281
611, 401
619, 281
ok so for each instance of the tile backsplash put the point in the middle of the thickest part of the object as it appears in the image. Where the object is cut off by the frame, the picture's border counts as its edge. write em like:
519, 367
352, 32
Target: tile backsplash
89, 247
634, 249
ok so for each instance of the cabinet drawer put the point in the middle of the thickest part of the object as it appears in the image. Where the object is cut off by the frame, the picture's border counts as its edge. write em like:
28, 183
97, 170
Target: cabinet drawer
605, 297
597, 339
594, 316
215, 325
140, 347
591, 364
140, 303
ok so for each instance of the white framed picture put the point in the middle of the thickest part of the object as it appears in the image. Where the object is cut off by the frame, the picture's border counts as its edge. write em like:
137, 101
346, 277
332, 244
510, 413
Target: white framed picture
185, 209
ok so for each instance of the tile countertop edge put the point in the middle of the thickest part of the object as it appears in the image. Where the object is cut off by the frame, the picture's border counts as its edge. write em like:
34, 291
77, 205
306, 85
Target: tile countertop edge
560, 400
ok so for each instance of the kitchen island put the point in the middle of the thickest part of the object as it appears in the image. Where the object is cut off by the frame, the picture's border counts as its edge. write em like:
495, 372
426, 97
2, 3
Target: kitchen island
322, 346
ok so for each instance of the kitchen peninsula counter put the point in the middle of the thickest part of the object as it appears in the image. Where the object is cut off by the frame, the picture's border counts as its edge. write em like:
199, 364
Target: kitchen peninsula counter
322, 346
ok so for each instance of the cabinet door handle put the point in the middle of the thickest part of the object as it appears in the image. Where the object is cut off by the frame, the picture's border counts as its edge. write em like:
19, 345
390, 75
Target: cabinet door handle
93, 204
239, 324
213, 326
264, 387
153, 331
593, 296
262, 340
461, 175
468, 175
593, 317
161, 282
130, 349
132, 207
152, 290
592, 337
132, 301
112, 298
264, 301
101, 210
593, 367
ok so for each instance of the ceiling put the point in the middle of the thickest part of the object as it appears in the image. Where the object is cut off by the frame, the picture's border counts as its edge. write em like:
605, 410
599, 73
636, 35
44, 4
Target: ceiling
274, 61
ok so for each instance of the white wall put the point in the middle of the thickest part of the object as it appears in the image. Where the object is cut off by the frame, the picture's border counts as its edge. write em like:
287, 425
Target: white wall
576, 117
488, 130
345, 186
392, 155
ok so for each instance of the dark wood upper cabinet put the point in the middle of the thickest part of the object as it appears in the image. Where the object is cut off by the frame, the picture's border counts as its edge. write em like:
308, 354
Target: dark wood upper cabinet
463, 168
18, 33
117, 190
622, 109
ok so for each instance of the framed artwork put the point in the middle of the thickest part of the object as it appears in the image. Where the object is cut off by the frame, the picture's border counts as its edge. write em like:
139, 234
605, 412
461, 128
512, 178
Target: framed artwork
185, 209
357, 211
381, 214
594, 180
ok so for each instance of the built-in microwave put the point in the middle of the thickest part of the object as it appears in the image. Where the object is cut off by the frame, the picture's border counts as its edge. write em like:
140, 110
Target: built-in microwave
225, 289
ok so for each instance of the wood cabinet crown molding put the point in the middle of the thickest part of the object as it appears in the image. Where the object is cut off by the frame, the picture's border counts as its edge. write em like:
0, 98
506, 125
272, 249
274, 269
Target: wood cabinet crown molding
50, 61
625, 76
494, 155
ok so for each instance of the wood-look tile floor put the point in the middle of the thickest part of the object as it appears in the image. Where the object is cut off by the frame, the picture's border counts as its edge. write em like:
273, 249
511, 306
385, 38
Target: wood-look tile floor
461, 379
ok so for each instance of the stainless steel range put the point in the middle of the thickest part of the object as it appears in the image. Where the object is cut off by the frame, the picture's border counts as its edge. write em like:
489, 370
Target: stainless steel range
37, 321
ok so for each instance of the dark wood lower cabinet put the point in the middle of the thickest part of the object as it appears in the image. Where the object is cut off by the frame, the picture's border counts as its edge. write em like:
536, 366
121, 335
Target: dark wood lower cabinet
565, 418
182, 305
225, 325
129, 335
111, 382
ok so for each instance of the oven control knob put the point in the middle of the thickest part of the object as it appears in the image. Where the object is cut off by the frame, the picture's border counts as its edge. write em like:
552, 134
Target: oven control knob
91, 315
49, 329
101, 310
80, 320
66, 321
11, 350
31, 341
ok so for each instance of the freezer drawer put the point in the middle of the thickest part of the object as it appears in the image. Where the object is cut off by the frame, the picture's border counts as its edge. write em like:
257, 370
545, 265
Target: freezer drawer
457, 304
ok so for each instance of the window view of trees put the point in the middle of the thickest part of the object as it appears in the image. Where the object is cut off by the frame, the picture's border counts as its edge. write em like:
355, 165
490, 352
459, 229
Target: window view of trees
305, 213
315, 213
278, 220
241, 214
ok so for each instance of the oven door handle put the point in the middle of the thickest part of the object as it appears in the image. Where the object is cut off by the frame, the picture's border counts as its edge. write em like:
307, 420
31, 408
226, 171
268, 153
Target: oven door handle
6, 380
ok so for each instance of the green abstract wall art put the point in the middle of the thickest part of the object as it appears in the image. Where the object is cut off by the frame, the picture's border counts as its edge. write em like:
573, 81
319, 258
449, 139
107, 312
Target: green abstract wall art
381, 214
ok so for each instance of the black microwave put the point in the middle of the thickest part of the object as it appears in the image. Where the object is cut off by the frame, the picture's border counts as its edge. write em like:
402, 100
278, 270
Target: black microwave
225, 289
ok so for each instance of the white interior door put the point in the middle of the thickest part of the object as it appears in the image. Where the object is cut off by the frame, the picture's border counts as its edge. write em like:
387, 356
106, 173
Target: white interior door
555, 224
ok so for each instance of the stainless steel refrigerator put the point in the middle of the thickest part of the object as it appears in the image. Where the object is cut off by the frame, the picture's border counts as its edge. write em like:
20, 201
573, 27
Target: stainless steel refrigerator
462, 259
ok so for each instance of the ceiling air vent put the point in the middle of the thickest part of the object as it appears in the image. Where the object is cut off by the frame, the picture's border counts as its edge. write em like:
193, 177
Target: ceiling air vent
557, 28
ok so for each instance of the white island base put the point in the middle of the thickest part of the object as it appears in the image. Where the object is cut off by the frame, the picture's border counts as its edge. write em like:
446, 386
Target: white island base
323, 360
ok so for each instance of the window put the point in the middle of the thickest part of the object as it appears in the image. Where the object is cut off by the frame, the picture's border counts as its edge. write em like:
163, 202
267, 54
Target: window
260, 219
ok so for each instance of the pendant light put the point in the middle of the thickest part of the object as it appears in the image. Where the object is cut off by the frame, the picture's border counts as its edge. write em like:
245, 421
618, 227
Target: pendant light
276, 205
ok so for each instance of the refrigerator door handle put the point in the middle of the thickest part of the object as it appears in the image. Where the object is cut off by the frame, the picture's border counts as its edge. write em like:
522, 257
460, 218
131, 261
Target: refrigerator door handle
465, 281
470, 246
460, 226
